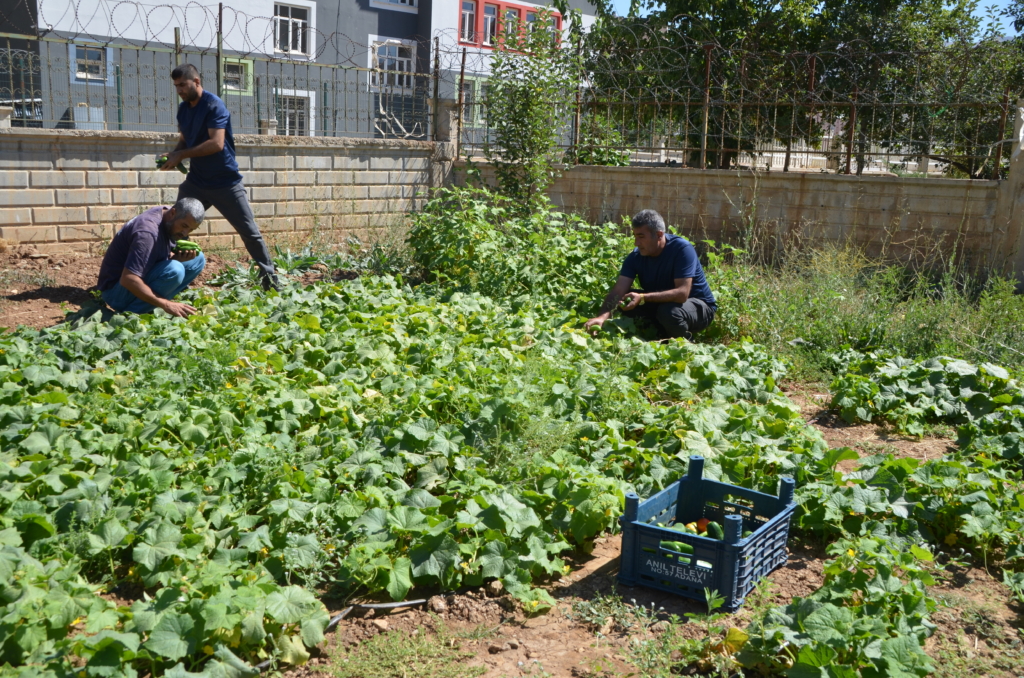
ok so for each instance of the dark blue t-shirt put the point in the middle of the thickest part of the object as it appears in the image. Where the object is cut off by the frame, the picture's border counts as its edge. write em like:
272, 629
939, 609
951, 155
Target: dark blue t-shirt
210, 171
677, 260
140, 245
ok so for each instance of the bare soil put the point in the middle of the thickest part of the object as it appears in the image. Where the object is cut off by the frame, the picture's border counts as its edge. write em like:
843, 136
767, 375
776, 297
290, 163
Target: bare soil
37, 290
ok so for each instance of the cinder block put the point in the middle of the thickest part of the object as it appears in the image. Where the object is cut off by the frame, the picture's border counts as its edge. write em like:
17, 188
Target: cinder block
262, 209
168, 178
414, 163
294, 178
273, 193
313, 192
385, 191
351, 192
137, 196
370, 178
406, 178
83, 196
291, 209
66, 159
10, 179
277, 224
86, 233
137, 161
273, 162
350, 222
17, 198
168, 196
352, 162
59, 215
334, 178
208, 241
315, 162
11, 159
243, 162
119, 214
111, 178
47, 179
29, 234
386, 162
219, 227
259, 179
21, 215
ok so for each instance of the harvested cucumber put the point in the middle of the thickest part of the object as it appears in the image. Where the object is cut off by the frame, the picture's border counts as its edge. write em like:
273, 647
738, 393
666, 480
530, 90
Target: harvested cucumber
715, 531
188, 245
747, 534
163, 158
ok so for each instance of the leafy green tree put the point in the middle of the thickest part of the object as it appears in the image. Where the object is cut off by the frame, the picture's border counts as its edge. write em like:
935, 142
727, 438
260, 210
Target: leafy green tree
532, 86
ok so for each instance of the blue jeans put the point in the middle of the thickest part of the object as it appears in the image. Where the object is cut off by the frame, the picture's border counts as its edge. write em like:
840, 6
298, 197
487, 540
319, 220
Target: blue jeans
167, 279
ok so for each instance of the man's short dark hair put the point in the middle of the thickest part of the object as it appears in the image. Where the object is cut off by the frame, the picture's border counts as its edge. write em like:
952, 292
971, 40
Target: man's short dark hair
187, 71
649, 219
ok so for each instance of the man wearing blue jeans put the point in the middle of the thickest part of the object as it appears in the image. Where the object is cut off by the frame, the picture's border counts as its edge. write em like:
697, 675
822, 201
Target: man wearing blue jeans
676, 297
213, 179
141, 270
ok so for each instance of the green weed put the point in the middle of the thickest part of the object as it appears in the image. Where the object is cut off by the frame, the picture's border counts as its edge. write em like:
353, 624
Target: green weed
398, 654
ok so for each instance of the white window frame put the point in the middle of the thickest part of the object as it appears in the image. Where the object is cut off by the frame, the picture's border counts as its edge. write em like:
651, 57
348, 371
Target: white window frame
306, 94
471, 36
407, 6
491, 32
375, 42
247, 75
507, 25
310, 7
108, 58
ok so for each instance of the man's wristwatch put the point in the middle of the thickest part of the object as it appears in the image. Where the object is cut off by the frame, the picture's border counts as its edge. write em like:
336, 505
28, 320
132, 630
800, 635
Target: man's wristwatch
641, 302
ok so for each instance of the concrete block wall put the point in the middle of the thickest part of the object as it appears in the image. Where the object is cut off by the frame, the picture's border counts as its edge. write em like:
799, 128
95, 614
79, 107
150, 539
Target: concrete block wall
896, 216
71, 190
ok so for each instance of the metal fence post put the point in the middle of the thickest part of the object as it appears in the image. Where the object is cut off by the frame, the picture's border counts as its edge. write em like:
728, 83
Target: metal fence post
849, 132
437, 87
458, 123
707, 106
220, 50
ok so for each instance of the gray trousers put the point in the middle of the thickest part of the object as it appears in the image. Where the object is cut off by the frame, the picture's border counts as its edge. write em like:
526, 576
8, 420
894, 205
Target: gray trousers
675, 320
233, 204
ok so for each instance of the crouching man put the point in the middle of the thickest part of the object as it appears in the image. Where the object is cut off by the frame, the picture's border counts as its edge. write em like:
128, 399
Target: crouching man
142, 270
675, 295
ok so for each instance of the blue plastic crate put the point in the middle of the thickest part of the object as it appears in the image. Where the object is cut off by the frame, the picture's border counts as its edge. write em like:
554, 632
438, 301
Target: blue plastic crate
731, 567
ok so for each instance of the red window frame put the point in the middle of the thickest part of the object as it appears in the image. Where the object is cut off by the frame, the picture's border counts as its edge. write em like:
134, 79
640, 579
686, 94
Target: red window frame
503, 7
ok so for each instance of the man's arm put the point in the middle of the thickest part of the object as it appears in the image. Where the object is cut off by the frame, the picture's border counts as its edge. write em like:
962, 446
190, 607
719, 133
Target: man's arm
137, 286
215, 144
678, 295
618, 291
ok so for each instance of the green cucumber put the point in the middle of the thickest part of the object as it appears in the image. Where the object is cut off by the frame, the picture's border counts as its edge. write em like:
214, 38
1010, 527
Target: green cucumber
163, 158
677, 546
188, 245
715, 531
747, 534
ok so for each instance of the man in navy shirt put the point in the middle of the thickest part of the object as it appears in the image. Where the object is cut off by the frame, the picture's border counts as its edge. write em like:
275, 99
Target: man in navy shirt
675, 294
141, 270
205, 126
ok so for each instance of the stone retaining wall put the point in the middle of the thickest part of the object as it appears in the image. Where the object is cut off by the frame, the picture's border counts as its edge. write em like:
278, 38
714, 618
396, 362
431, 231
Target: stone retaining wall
72, 189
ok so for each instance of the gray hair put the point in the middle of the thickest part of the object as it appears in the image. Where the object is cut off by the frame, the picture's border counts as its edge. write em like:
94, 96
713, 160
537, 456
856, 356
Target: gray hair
650, 219
190, 207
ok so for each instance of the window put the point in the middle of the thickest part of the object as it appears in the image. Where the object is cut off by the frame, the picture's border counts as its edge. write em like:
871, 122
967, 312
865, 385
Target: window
236, 76
293, 116
90, 63
400, 3
511, 21
394, 64
490, 24
531, 19
482, 112
291, 33
468, 102
467, 31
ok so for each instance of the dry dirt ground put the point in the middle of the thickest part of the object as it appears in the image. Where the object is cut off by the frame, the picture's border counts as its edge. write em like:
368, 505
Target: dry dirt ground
979, 630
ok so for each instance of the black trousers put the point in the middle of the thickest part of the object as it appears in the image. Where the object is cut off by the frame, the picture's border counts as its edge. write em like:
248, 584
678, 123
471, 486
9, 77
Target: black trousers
675, 320
233, 205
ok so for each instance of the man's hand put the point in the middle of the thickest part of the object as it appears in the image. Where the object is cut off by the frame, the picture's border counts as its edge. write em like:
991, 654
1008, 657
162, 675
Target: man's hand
178, 309
594, 324
184, 255
630, 301
173, 158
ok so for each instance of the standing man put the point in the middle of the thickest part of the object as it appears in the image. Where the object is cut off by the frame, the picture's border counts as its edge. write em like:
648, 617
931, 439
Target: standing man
213, 179
675, 296
142, 271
